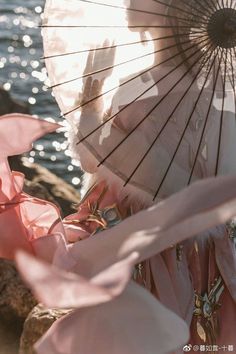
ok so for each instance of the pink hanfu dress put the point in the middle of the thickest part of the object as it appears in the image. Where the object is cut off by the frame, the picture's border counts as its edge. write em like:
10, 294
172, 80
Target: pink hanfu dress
195, 279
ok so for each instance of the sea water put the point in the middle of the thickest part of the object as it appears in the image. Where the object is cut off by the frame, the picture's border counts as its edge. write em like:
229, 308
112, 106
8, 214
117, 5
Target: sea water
24, 75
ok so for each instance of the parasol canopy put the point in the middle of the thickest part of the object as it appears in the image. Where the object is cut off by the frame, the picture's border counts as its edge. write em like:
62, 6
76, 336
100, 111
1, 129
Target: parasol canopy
148, 86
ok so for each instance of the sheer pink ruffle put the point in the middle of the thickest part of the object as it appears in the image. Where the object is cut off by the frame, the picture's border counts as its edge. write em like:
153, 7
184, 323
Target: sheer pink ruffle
23, 219
133, 323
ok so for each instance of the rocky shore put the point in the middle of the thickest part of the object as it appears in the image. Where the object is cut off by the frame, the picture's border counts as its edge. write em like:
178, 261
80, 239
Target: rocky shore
22, 320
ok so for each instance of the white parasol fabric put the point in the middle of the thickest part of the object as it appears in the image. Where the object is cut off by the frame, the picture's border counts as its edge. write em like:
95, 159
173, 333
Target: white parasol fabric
149, 86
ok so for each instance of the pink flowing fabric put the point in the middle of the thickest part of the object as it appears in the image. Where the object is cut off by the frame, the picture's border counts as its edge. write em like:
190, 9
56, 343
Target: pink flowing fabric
66, 289
23, 218
135, 322
92, 276
203, 205
90, 268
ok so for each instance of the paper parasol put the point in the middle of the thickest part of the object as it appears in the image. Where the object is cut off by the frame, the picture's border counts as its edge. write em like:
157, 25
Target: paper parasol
150, 85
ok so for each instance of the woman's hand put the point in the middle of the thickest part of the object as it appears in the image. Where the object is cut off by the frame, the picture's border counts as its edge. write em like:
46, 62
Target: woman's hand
100, 65
92, 105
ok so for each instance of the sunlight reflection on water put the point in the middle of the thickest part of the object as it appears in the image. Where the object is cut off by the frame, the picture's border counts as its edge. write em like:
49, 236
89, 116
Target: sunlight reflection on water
23, 74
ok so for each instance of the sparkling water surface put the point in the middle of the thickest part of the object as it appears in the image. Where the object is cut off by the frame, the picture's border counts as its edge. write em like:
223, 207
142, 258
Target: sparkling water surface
23, 74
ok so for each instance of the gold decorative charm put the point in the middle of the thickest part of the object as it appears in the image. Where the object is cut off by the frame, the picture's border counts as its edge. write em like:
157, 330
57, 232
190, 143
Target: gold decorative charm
104, 218
206, 307
179, 252
138, 275
231, 228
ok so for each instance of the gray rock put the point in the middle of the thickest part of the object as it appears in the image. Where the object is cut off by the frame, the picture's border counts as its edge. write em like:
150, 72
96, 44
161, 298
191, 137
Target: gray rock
36, 324
16, 300
10, 336
43, 184
10, 105
39, 191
